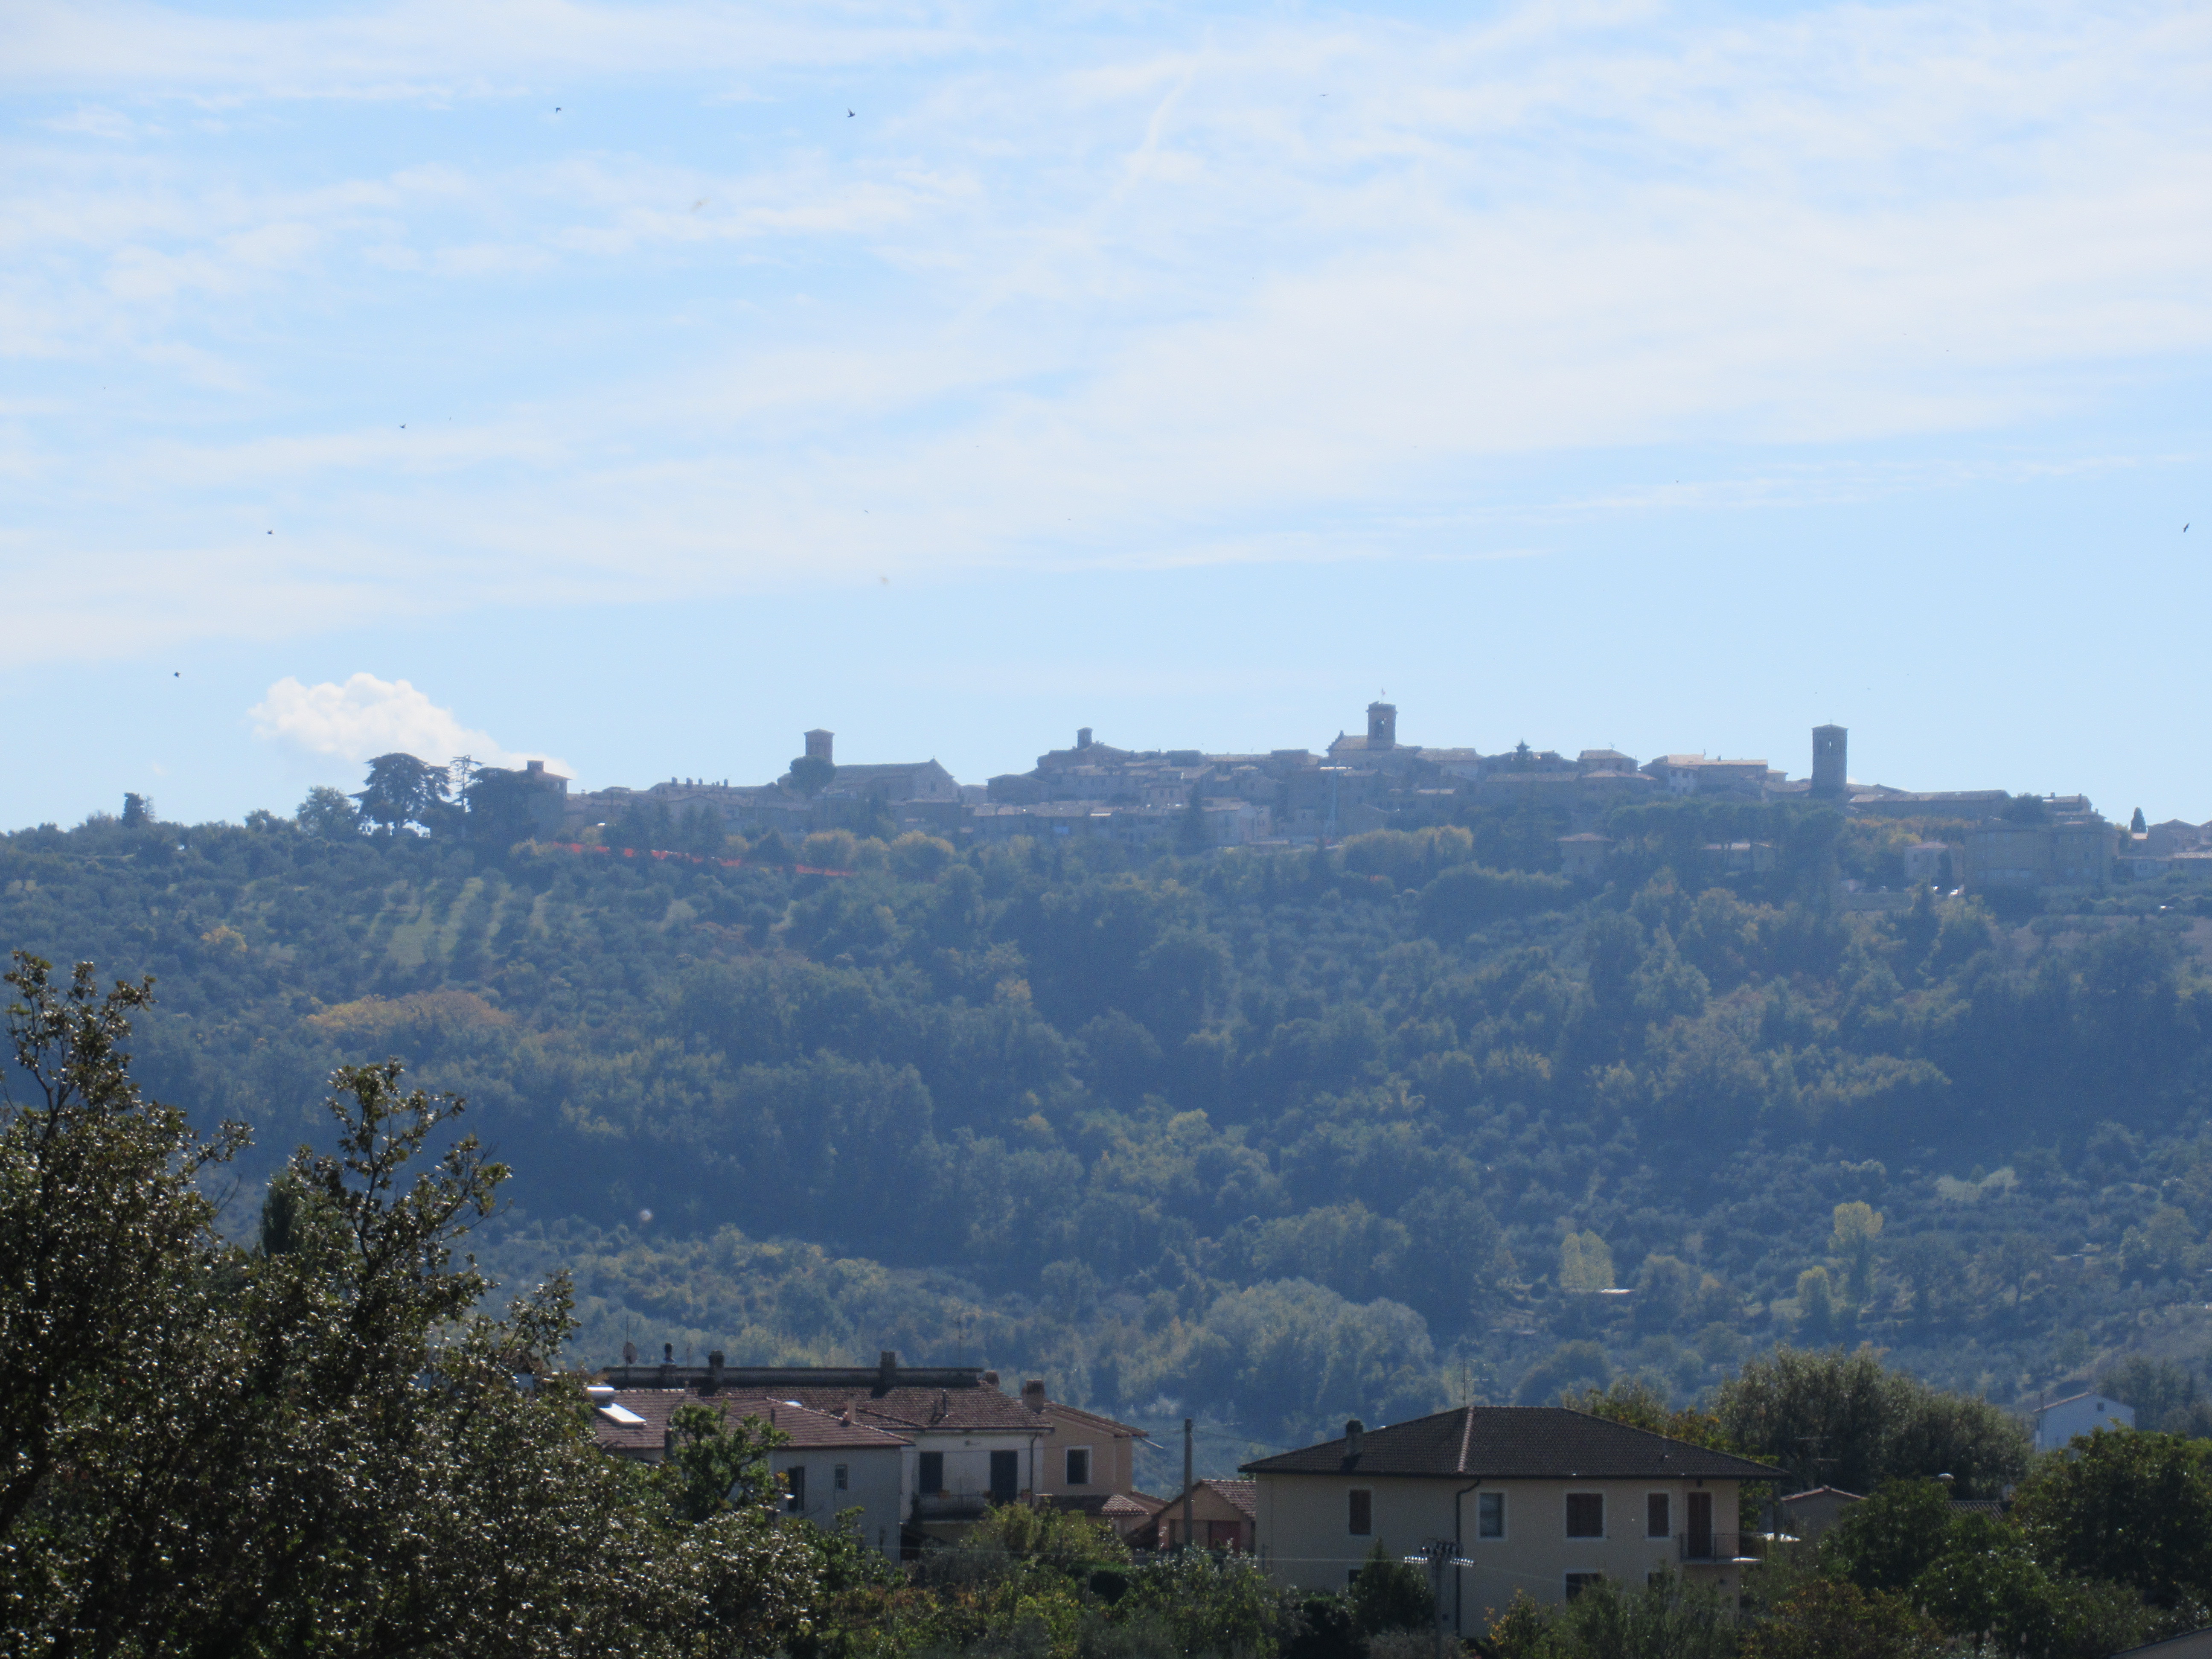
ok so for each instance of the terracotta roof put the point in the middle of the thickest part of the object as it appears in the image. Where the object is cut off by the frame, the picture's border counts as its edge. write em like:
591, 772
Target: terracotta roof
902, 1411
1244, 1494
1108, 1506
1534, 1442
1078, 1417
652, 1407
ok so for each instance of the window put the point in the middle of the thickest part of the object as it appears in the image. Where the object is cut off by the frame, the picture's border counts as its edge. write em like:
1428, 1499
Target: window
1490, 1515
1658, 1515
1585, 1515
840, 1477
930, 1477
1363, 1513
1579, 1581
1079, 1466
794, 1482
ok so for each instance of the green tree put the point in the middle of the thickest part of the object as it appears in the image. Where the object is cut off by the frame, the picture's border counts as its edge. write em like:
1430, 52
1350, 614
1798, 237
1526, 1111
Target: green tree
811, 775
1825, 1619
1845, 1420
1388, 1594
2166, 1396
1857, 1225
1883, 1544
320, 1445
2130, 1507
328, 814
402, 790
1661, 1619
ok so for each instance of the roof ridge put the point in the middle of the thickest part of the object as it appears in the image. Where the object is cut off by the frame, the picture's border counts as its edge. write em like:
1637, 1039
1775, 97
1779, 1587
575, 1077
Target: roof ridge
1465, 1433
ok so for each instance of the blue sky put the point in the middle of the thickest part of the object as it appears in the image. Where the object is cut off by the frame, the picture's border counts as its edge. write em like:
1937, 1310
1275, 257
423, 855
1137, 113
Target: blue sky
583, 381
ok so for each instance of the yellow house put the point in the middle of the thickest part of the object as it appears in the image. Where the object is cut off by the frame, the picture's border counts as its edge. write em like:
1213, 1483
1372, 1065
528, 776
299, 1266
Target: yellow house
1538, 1499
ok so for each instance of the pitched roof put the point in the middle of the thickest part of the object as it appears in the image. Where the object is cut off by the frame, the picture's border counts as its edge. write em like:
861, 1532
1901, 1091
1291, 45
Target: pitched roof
1108, 1505
1536, 1442
1244, 1494
1077, 1417
651, 1407
905, 1411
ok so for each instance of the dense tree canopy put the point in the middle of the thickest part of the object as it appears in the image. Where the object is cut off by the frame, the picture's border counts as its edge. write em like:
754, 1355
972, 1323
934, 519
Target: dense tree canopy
1417, 1110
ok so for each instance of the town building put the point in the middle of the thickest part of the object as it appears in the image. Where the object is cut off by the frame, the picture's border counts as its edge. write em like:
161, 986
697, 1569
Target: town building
1223, 1516
1538, 1499
828, 1464
2057, 1423
967, 1444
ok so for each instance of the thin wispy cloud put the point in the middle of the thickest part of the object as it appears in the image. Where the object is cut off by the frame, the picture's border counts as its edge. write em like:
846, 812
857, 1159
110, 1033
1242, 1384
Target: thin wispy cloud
1220, 286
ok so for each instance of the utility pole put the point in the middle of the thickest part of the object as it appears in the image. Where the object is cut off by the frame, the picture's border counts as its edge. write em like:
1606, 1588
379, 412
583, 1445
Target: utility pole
1439, 1556
1186, 1482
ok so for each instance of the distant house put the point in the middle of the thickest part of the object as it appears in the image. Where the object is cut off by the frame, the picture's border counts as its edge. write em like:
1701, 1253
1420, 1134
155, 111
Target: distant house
1091, 1462
1539, 1497
831, 1463
1807, 1515
1223, 1516
969, 1446
1582, 857
2057, 1423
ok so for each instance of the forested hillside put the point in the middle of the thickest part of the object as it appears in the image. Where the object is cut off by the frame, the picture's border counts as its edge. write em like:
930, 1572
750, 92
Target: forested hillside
1270, 1136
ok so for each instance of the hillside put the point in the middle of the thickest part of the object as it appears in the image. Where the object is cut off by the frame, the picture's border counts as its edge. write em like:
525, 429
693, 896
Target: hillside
1271, 1136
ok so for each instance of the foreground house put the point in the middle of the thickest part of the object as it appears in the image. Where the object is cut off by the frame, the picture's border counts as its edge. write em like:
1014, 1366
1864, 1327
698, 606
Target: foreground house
1539, 1499
828, 1465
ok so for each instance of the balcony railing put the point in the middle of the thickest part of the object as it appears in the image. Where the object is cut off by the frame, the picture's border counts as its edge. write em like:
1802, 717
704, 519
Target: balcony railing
1719, 1548
951, 1505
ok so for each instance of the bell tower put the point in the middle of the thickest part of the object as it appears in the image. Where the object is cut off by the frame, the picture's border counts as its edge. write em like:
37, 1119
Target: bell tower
1382, 726
1829, 770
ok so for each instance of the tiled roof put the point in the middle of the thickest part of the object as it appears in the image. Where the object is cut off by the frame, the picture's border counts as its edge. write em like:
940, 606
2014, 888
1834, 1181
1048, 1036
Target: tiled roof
1078, 1418
902, 1411
652, 1407
1108, 1506
1244, 1494
1536, 1442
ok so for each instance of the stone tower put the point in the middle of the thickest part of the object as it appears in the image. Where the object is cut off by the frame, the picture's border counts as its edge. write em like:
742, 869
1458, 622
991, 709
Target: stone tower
817, 745
1382, 726
1829, 743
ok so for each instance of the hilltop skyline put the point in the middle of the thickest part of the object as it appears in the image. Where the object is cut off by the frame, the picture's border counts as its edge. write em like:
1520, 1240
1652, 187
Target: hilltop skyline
1668, 377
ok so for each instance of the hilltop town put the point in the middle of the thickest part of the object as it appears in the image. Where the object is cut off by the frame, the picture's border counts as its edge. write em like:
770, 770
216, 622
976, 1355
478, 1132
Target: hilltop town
1977, 839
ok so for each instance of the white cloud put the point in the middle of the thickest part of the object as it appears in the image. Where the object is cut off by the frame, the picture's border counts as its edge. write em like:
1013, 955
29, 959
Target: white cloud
1218, 286
367, 717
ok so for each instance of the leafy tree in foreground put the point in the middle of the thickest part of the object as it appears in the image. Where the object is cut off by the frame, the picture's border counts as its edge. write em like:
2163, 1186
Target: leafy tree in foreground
318, 1445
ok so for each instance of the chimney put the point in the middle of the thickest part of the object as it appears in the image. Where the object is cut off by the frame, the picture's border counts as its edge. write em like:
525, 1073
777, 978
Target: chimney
713, 1370
668, 1364
990, 1379
630, 1353
1354, 1431
886, 1371
1033, 1393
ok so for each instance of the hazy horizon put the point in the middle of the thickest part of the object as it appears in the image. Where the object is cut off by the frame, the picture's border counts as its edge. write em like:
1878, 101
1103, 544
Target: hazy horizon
1668, 377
